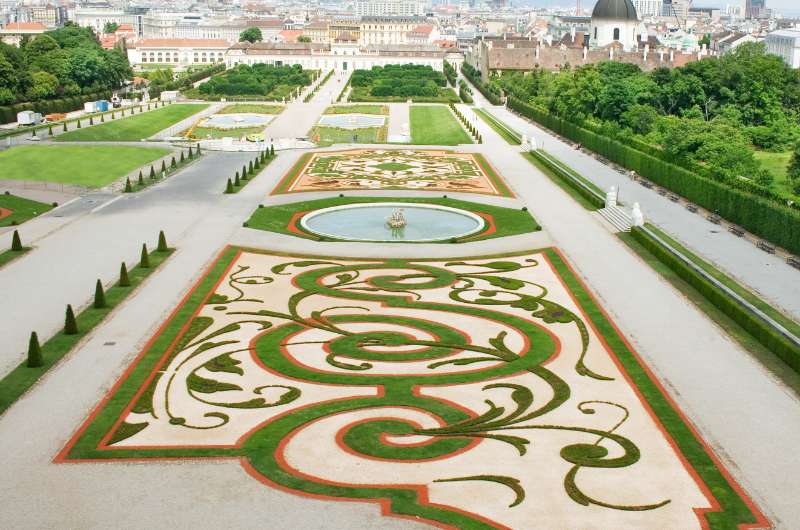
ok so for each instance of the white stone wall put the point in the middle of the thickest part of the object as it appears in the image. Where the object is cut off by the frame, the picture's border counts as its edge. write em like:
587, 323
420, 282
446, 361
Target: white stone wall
326, 62
602, 32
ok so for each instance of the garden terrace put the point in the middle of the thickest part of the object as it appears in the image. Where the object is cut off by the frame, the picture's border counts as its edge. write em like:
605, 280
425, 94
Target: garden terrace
400, 83
133, 128
269, 82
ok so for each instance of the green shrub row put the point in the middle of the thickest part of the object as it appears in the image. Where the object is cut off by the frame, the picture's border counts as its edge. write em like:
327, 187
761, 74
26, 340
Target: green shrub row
187, 81
450, 73
316, 89
567, 178
763, 332
8, 113
489, 91
762, 216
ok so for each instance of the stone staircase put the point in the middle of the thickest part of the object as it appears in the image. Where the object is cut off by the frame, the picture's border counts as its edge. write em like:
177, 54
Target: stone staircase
616, 217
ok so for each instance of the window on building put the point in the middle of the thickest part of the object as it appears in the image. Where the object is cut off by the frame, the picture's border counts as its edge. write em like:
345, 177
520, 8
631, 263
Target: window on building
616, 33
595, 33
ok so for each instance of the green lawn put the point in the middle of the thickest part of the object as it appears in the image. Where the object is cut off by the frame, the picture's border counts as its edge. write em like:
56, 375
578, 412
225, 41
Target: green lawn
776, 164
254, 108
134, 128
358, 109
203, 132
507, 221
334, 135
21, 209
92, 166
508, 134
436, 125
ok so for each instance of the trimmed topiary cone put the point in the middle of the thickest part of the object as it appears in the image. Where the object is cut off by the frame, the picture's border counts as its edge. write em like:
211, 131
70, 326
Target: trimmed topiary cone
229, 187
144, 259
16, 242
250, 168
99, 295
191, 153
128, 187
152, 173
34, 352
79, 123
271, 151
91, 120
163, 166
244, 172
124, 281
50, 130
236, 180
162, 242
64, 128
70, 324
102, 118
198, 149
173, 164
182, 160
141, 178
262, 157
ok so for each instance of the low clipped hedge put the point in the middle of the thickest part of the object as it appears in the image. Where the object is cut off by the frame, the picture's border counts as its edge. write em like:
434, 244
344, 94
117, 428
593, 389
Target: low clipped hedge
8, 113
766, 335
567, 178
475, 78
737, 201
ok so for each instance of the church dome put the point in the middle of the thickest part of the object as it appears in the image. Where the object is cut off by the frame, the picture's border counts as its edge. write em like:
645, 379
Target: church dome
614, 9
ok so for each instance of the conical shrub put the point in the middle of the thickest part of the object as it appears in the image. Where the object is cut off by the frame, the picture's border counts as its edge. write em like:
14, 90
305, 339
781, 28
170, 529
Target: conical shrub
79, 123
91, 120
64, 128
182, 160
191, 153
162, 242
163, 166
141, 178
102, 118
124, 280
70, 324
272, 151
173, 164
250, 168
229, 186
128, 187
50, 130
198, 149
99, 295
144, 259
236, 180
34, 352
16, 242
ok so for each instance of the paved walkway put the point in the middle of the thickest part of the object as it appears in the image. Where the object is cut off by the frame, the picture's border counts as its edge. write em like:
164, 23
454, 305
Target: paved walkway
765, 274
749, 418
400, 121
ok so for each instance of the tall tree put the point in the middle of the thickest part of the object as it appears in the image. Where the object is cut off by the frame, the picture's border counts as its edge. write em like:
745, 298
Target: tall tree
251, 35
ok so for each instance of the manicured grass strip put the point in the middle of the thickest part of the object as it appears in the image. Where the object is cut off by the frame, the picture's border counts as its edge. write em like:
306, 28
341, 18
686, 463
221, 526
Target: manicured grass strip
731, 327
734, 511
507, 221
21, 378
22, 209
508, 134
205, 132
358, 109
135, 128
436, 125
10, 255
325, 136
91, 166
286, 181
770, 338
499, 183
86, 444
570, 181
256, 171
254, 108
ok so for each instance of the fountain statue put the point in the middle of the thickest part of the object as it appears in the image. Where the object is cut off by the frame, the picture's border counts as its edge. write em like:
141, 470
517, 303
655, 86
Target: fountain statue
397, 219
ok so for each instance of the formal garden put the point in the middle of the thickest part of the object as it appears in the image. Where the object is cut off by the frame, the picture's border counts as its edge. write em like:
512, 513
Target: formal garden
400, 83
499, 378
237, 120
393, 169
436, 125
135, 127
257, 82
89, 166
365, 124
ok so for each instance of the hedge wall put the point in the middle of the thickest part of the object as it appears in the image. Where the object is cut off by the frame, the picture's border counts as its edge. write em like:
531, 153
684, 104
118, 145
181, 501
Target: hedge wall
560, 173
8, 113
475, 78
765, 334
763, 216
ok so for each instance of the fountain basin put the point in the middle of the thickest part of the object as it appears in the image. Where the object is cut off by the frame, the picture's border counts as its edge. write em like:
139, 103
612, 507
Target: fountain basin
367, 222
351, 121
236, 121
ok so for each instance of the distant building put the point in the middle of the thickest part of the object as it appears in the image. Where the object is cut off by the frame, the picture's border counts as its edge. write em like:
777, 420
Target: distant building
755, 9
676, 9
177, 52
647, 8
13, 32
614, 22
786, 44
727, 41
389, 8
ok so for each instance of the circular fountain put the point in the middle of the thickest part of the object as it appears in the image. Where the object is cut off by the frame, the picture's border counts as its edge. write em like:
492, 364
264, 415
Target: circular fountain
392, 222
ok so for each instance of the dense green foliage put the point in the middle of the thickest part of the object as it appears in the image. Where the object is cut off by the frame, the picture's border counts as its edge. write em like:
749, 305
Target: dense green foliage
257, 80
740, 201
489, 90
68, 61
765, 334
793, 171
450, 73
704, 116
251, 35
397, 80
